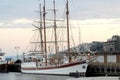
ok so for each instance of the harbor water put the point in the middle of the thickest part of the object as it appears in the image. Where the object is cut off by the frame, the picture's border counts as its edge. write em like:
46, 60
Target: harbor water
20, 76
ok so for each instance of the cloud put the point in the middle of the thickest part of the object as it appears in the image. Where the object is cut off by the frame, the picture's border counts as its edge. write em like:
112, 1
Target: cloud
15, 23
26, 23
96, 21
1, 23
21, 21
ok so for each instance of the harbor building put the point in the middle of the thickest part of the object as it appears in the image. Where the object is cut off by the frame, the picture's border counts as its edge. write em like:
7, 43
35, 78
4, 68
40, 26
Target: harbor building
109, 51
112, 44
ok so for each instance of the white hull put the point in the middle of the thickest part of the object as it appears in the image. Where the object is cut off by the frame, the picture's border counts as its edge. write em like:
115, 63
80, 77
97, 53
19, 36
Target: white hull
59, 71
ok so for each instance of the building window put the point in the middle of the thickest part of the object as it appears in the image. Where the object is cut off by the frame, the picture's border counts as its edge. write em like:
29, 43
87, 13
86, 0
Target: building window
111, 49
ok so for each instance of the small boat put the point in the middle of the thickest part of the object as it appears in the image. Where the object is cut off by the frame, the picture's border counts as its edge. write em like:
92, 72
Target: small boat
60, 62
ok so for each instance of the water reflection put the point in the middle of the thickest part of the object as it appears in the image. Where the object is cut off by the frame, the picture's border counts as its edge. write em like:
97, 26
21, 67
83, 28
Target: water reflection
20, 76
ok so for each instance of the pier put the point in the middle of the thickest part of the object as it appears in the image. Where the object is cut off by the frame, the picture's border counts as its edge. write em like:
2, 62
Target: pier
103, 69
11, 67
3, 68
107, 64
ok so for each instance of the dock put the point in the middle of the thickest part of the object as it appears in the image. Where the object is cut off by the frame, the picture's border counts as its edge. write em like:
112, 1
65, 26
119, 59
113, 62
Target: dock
103, 69
107, 64
10, 67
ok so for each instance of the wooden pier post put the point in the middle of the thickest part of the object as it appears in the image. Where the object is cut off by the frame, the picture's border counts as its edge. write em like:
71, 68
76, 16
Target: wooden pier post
117, 58
105, 58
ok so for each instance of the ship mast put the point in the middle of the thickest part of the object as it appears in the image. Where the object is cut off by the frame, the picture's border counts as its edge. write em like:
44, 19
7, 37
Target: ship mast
68, 34
40, 29
55, 26
44, 23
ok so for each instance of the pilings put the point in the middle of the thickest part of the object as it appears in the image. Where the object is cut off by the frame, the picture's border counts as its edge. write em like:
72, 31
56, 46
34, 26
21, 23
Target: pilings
14, 68
103, 69
3, 68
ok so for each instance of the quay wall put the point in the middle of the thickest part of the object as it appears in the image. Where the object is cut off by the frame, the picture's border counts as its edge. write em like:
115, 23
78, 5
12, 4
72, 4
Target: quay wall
106, 64
103, 69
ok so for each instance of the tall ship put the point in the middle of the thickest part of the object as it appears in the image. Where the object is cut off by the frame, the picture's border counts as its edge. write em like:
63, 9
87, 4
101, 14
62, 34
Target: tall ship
53, 57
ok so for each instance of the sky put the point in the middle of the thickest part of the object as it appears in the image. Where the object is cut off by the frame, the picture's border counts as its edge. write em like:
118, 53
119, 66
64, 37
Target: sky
98, 20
